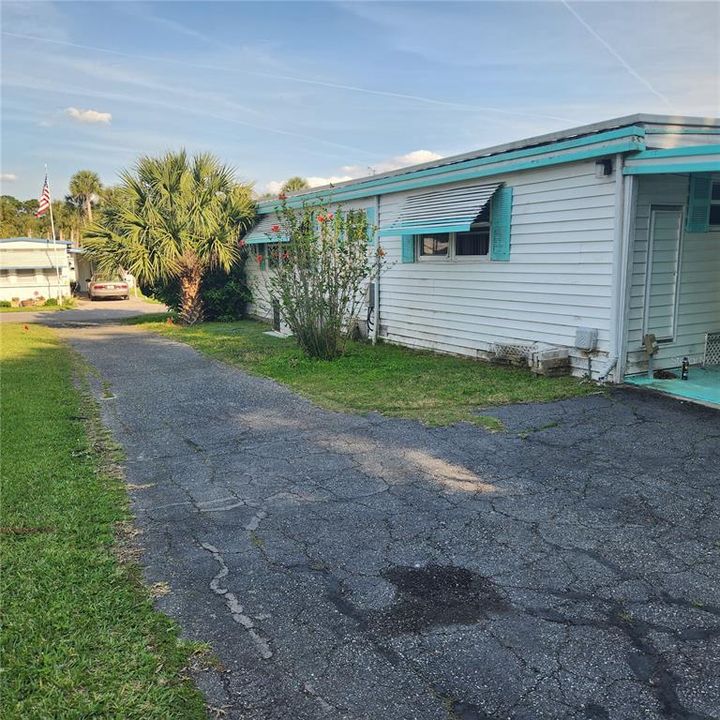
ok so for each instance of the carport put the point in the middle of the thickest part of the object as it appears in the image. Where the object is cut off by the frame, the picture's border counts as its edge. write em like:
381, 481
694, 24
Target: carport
673, 304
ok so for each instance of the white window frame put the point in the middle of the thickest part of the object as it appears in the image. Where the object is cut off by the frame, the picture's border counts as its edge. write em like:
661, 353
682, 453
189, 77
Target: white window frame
451, 256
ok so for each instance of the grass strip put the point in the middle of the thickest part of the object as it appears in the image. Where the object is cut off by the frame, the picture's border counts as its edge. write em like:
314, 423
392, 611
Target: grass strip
80, 638
389, 379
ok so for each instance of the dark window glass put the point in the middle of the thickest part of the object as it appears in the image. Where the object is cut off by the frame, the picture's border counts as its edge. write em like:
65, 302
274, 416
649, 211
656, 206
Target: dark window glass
715, 214
716, 191
484, 216
434, 244
475, 242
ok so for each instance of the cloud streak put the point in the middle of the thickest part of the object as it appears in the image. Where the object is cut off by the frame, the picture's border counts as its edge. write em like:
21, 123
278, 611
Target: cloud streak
8, 177
616, 54
89, 117
303, 81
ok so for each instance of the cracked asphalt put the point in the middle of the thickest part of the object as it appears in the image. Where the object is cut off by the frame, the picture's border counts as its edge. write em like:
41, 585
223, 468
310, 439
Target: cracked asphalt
346, 566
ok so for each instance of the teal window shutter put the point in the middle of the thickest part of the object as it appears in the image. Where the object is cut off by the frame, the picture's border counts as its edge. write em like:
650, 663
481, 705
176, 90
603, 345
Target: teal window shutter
408, 248
698, 214
500, 220
371, 224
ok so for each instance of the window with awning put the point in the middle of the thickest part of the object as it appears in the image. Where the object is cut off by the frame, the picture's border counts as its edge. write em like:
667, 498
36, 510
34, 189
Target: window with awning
441, 211
262, 232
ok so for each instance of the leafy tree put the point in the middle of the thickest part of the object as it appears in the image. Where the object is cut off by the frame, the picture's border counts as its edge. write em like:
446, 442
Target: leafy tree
294, 184
318, 270
173, 218
85, 187
17, 218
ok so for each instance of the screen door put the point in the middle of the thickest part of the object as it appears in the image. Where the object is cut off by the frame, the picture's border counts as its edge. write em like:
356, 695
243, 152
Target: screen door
663, 268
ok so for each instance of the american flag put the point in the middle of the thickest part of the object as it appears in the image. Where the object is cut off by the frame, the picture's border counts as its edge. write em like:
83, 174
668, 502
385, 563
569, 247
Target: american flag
44, 202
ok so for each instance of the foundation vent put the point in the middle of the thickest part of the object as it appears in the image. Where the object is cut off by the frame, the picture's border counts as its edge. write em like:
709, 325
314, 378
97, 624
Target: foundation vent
712, 349
513, 353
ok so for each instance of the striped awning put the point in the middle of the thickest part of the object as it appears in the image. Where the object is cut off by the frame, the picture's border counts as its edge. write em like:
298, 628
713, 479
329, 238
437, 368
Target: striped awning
449, 210
262, 232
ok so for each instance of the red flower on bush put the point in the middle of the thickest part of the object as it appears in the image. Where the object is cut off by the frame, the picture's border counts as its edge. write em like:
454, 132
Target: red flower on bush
275, 229
259, 258
285, 255
169, 321
330, 216
321, 218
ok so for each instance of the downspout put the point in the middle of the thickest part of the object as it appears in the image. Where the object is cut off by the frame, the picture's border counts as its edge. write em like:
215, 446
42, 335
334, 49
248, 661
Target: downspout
629, 209
378, 266
619, 271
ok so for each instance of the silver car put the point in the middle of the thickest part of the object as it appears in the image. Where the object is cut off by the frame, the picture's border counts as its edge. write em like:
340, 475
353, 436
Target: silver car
108, 287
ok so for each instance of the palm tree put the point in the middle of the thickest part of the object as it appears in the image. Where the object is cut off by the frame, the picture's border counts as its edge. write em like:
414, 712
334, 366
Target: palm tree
173, 217
294, 184
85, 187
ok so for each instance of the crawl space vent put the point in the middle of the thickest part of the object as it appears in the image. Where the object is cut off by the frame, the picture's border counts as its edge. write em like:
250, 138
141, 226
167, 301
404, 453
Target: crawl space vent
514, 353
712, 349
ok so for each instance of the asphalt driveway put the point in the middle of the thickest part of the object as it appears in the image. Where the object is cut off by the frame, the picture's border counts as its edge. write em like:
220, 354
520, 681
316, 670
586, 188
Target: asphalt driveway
362, 567
86, 312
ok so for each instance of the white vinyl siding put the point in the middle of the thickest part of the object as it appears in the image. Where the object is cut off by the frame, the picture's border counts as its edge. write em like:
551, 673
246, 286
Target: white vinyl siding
698, 287
559, 275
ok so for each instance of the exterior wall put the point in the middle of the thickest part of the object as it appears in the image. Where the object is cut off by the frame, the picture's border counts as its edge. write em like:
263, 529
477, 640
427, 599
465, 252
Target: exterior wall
698, 309
26, 285
559, 275
27, 270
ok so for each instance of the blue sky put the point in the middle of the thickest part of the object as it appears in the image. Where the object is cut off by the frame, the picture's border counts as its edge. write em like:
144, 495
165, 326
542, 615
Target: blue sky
329, 90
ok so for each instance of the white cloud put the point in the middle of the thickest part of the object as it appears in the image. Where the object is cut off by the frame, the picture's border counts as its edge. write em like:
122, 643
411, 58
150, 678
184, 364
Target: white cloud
8, 177
88, 116
415, 157
352, 172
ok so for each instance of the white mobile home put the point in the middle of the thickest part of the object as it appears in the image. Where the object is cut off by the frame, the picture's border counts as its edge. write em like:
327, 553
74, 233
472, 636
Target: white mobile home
588, 240
32, 268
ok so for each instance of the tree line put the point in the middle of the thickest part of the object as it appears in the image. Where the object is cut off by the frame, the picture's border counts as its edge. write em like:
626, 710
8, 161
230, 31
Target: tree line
71, 215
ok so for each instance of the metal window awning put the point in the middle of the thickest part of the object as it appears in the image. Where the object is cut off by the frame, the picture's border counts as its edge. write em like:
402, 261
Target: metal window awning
262, 232
449, 210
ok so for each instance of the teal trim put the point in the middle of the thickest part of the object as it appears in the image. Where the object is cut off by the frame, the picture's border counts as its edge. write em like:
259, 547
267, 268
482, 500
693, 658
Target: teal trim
680, 167
500, 222
408, 249
621, 147
397, 182
424, 230
371, 224
699, 198
681, 131
676, 152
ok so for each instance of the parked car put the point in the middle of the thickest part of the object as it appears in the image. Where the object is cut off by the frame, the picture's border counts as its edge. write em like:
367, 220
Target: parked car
108, 287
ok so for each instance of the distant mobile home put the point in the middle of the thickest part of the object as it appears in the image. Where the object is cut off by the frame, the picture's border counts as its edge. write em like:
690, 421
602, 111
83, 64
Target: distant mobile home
32, 268
586, 241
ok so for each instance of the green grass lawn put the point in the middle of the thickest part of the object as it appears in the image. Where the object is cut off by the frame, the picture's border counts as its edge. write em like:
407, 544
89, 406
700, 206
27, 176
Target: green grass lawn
80, 638
436, 389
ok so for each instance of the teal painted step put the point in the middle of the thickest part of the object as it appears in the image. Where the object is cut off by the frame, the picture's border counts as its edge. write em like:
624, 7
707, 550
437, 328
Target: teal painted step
703, 384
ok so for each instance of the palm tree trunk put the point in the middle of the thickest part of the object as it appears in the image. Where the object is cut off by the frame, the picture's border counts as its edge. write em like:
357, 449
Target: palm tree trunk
191, 304
88, 208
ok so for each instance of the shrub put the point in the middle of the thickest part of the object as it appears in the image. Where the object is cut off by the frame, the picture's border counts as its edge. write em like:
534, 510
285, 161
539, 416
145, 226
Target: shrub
319, 268
51, 302
224, 295
5, 303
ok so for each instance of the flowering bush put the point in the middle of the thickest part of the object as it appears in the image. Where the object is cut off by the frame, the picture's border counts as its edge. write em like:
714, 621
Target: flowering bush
321, 265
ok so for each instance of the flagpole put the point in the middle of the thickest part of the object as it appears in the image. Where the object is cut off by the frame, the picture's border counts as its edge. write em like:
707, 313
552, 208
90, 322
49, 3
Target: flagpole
52, 229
